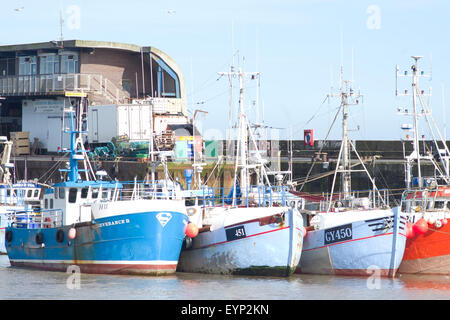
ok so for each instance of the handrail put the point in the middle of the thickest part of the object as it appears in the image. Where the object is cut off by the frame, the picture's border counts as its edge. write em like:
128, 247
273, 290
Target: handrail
53, 83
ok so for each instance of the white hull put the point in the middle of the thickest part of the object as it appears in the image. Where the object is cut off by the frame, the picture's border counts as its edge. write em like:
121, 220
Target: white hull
252, 245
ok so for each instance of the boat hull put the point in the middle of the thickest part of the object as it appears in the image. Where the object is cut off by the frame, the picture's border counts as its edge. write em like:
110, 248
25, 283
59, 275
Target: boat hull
428, 253
271, 249
122, 244
360, 248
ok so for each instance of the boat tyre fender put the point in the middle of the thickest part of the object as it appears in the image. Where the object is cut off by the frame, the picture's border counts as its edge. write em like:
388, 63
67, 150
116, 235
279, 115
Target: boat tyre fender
187, 242
60, 235
8, 236
39, 238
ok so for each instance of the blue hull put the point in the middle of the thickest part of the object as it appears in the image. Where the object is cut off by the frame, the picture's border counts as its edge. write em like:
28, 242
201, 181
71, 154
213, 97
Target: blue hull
124, 244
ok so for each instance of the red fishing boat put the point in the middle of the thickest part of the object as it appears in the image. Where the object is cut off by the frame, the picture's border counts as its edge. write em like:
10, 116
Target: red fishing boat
426, 200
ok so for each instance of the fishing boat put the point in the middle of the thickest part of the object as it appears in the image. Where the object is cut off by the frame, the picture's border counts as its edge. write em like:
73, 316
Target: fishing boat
244, 230
13, 196
426, 200
351, 233
97, 225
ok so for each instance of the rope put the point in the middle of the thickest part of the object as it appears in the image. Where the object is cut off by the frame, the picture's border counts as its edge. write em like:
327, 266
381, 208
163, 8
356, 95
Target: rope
328, 133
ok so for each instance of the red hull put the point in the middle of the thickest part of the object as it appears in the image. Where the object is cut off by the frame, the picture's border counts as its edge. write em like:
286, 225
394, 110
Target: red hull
428, 253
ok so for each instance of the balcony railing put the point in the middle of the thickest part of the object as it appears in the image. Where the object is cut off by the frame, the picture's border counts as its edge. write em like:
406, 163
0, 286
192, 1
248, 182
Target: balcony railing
57, 83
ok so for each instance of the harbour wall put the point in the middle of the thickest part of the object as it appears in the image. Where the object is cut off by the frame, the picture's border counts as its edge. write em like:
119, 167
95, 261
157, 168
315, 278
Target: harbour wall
384, 161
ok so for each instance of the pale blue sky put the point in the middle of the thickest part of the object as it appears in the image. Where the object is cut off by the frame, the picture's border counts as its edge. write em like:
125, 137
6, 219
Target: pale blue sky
295, 44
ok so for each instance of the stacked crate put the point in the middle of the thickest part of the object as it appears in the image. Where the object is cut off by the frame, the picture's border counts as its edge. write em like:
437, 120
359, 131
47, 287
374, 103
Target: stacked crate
21, 143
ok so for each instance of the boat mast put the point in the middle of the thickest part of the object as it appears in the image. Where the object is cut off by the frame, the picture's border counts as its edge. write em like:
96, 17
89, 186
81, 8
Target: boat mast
348, 97
443, 154
415, 83
243, 127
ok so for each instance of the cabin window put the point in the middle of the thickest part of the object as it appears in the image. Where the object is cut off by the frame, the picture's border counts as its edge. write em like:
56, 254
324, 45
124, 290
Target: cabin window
56, 193
73, 195
84, 193
46, 203
94, 193
8, 192
36, 193
29, 193
439, 204
404, 206
61, 193
51, 203
105, 194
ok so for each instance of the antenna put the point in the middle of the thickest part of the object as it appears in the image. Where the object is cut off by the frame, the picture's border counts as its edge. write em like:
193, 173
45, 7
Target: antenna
61, 22
443, 112
352, 67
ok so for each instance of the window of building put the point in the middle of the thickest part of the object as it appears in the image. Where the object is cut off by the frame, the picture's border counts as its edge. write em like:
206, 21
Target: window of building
27, 65
69, 63
49, 64
7, 67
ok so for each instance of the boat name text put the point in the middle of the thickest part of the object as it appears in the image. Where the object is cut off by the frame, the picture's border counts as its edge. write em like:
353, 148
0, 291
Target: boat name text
338, 234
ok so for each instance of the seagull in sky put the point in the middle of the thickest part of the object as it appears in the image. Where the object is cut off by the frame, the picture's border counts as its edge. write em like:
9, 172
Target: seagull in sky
19, 9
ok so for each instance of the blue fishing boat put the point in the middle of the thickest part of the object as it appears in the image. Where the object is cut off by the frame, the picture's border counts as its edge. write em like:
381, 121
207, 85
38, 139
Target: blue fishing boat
99, 226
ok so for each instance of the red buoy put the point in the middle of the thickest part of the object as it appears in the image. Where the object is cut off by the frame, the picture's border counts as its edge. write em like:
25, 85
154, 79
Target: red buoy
409, 230
421, 226
191, 230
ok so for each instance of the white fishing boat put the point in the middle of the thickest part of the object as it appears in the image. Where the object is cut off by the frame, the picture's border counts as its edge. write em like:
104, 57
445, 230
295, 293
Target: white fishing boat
246, 230
13, 196
349, 234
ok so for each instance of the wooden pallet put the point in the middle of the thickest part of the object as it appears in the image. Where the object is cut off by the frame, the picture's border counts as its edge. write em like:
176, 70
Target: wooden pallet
20, 151
21, 143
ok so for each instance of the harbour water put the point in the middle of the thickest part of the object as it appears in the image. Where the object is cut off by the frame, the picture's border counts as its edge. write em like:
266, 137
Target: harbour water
26, 284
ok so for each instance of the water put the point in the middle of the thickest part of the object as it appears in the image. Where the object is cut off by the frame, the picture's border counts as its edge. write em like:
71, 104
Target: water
18, 283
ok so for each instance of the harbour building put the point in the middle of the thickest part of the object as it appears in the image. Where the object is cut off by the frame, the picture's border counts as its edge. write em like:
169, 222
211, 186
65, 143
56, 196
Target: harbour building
128, 88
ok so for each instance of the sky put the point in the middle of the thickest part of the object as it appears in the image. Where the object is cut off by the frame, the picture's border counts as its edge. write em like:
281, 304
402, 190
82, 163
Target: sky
297, 46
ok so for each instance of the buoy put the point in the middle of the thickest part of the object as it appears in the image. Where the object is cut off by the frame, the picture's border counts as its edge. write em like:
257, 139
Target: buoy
421, 226
72, 233
431, 220
444, 221
191, 230
409, 230
438, 224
